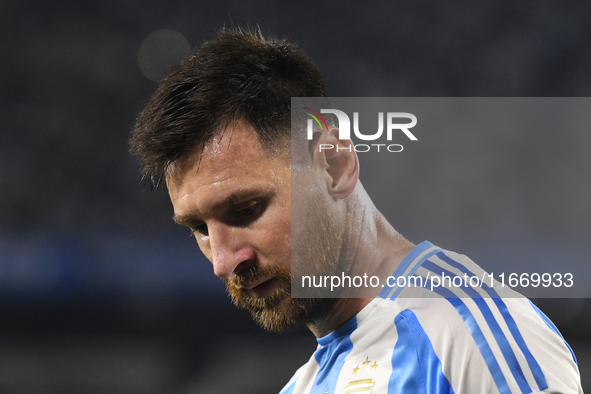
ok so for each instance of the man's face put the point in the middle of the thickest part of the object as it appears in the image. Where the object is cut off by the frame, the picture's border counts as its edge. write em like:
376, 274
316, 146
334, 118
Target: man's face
235, 197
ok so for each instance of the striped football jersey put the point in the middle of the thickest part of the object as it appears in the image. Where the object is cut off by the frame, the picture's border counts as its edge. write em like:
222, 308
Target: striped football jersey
458, 337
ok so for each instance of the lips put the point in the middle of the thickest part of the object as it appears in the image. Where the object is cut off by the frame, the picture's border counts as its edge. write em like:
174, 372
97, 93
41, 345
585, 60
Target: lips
255, 283
263, 287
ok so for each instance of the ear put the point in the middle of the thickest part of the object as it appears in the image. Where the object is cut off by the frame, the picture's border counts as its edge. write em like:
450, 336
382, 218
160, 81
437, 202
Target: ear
339, 162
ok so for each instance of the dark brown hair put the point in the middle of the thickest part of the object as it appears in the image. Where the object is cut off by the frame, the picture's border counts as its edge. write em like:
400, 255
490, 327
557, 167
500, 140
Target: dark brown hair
238, 75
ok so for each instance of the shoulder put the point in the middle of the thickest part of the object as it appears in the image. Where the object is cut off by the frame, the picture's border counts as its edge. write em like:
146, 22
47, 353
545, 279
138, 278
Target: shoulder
482, 339
442, 339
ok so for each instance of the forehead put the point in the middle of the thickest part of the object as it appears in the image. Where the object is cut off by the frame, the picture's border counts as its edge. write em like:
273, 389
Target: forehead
234, 157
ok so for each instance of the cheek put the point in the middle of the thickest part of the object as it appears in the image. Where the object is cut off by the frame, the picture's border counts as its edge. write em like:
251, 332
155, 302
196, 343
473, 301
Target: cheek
203, 246
276, 240
278, 225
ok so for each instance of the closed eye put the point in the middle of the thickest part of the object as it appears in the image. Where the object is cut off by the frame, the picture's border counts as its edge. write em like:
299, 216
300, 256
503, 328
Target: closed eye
246, 213
200, 230
238, 217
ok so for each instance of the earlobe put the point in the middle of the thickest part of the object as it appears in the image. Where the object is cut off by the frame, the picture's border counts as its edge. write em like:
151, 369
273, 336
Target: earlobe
339, 161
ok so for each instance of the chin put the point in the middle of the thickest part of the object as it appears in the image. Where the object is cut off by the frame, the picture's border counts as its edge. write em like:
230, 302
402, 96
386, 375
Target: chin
281, 317
278, 311
292, 313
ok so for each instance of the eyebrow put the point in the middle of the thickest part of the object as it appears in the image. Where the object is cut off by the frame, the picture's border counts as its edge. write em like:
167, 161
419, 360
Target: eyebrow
232, 198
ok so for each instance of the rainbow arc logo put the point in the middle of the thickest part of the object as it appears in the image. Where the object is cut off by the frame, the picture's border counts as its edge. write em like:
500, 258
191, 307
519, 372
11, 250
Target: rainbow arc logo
315, 116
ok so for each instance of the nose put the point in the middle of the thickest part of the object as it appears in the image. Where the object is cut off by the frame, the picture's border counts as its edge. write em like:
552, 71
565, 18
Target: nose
230, 250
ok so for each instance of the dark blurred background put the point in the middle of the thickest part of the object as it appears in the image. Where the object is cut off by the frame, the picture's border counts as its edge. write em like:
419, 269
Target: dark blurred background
100, 292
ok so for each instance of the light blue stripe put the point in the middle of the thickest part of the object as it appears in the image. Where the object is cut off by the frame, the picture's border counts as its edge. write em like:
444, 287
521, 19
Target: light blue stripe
492, 324
422, 373
465, 270
330, 356
531, 361
479, 338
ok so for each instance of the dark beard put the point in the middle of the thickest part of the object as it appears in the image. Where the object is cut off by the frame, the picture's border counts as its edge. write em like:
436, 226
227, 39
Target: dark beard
318, 250
278, 311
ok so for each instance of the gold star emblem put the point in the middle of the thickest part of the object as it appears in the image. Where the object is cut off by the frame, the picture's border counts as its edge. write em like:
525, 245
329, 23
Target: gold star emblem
355, 370
366, 363
374, 366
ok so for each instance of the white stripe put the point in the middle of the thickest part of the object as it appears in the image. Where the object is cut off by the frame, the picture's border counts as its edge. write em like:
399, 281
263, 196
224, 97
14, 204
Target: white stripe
379, 324
307, 376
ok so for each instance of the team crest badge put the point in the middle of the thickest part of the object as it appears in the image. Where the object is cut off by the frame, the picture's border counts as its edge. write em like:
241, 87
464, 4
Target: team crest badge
360, 386
363, 384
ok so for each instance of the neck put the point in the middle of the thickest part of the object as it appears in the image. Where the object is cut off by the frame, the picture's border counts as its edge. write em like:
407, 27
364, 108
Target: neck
373, 248
344, 311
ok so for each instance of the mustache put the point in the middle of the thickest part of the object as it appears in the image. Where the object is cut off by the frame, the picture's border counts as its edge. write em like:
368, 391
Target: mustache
256, 273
